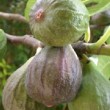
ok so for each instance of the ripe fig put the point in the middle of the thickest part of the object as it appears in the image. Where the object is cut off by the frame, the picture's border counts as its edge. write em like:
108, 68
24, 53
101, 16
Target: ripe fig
94, 93
54, 76
15, 96
58, 22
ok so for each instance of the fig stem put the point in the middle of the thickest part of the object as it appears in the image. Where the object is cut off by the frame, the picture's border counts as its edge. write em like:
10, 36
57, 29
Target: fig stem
85, 59
87, 35
80, 47
102, 39
101, 50
10, 16
89, 48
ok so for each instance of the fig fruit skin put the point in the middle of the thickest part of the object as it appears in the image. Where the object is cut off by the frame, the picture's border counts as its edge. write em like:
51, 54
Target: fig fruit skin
15, 96
54, 76
58, 22
94, 93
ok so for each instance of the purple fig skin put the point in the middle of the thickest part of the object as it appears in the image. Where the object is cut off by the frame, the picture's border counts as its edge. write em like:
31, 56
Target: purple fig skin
54, 76
58, 22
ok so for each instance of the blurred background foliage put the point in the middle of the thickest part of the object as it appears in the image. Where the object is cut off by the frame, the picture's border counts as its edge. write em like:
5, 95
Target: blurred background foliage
17, 55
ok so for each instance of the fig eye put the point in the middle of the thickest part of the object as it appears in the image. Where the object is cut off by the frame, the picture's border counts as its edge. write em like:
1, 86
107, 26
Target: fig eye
39, 15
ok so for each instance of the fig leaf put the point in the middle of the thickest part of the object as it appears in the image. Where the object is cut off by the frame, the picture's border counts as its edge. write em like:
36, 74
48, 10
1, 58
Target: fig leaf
3, 42
96, 6
29, 5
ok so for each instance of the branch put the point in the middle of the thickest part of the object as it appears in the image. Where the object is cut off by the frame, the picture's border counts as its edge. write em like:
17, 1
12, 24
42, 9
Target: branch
20, 18
88, 48
25, 40
10, 16
80, 47
102, 50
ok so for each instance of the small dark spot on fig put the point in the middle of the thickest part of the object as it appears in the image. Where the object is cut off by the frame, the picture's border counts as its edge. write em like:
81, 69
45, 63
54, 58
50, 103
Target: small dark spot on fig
39, 15
91, 4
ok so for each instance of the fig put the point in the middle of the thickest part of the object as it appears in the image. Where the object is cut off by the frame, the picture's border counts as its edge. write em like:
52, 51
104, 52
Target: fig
15, 96
94, 93
58, 22
54, 76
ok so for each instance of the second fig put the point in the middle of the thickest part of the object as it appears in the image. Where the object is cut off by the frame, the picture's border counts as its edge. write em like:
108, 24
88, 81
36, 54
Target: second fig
54, 76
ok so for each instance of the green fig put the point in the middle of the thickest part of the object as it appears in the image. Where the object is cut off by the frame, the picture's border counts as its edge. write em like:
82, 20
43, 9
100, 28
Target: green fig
58, 22
54, 76
94, 93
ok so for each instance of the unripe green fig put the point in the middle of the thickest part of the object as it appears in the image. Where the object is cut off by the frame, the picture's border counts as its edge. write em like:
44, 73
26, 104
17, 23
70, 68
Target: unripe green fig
54, 76
58, 22
15, 96
94, 93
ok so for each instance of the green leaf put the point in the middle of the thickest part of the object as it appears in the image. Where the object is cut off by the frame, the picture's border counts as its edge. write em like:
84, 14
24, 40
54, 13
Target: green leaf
1, 75
94, 92
96, 6
104, 65
29, 5
106, 71
3, 42
108, 40
84, 1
